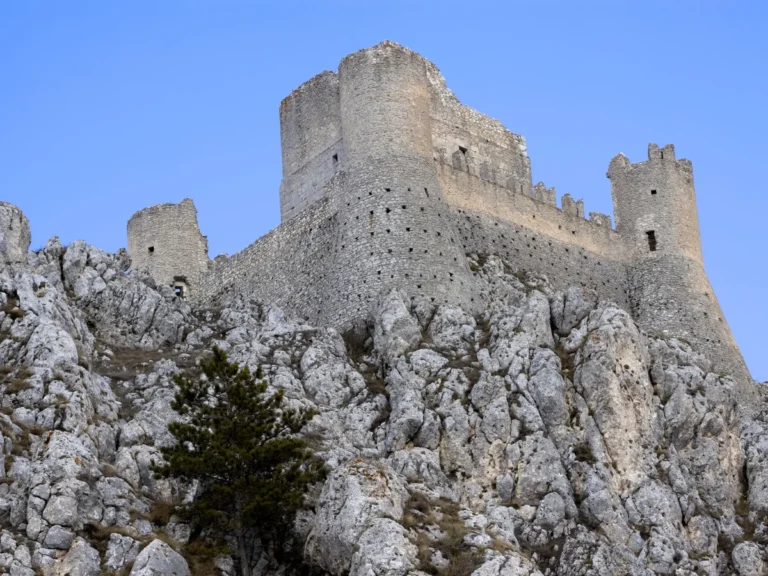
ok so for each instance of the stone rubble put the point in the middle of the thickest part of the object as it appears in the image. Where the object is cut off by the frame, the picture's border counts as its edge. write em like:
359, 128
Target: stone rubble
546, 436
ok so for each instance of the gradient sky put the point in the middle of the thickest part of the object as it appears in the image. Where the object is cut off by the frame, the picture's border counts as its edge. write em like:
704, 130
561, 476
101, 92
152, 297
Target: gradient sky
109, 107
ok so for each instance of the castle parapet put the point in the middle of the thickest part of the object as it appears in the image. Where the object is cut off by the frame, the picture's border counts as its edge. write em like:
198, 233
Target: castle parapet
544, 194
573, 207
600, 219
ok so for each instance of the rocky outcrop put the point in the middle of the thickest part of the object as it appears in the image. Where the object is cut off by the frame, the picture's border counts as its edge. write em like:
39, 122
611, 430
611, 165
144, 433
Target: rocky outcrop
546, 436
15, 235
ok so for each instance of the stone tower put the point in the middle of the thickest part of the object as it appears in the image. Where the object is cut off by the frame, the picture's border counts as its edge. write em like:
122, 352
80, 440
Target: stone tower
166, 241
361, 139
669, 292
394, 228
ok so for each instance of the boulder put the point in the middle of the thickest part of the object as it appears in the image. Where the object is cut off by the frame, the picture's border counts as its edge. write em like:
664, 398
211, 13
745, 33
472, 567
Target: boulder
159, 559
748, 559
81, 560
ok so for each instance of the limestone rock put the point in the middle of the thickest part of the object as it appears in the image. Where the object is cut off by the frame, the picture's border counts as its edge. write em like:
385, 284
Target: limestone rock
383, 550
61, 510
748, 558
59, 538
452, 328
15, 235
395, 330
355, 495
159, 559
121, 550
81, 560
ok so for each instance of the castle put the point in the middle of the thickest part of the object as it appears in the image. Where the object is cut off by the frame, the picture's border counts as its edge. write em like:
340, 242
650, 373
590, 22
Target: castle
389, 181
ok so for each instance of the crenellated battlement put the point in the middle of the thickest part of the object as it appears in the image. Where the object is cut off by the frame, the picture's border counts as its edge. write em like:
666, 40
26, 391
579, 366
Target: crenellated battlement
389, 181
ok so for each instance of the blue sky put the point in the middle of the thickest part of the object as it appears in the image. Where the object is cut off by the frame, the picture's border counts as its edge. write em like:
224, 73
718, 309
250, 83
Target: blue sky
108, 107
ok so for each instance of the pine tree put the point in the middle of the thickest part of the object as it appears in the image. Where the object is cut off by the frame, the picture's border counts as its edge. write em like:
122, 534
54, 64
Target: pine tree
241, 445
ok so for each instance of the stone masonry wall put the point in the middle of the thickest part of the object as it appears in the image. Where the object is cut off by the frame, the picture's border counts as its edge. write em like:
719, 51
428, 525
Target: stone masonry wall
656, 195
535, 236
671, 296
166, 240
473, 142
310, 133
394, 227
286, 267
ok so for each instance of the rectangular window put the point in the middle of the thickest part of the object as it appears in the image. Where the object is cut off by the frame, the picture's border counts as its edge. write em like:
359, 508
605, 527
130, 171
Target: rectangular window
651, 240
653, 192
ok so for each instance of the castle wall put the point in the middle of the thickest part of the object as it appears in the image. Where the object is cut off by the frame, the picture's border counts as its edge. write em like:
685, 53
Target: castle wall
286, 267
535, 236
670, 295
166, 240
310, 132
473, 142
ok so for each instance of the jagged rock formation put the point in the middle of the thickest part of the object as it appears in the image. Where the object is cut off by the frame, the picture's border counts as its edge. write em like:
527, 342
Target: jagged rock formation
545, 435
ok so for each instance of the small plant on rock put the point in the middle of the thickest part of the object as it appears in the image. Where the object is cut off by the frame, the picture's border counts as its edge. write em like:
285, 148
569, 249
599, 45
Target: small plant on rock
241, 445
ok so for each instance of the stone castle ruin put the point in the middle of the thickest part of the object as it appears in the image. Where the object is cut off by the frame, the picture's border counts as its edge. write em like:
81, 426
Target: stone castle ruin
389, 181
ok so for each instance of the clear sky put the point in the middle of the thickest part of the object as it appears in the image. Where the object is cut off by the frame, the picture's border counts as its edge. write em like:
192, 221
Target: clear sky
109, 107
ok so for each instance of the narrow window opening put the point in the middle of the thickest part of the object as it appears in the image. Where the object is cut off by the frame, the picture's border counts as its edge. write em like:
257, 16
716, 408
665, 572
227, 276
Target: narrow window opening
651, 240
426, 192
653, 192
151, 249
662, 155
335, 159
463, 150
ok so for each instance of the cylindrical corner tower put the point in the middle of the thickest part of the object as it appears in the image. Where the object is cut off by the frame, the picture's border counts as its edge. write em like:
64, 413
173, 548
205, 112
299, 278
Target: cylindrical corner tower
394, 228
166, 241
656, 216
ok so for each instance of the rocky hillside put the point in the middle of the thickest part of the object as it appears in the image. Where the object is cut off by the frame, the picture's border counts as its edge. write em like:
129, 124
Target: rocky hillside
547, 436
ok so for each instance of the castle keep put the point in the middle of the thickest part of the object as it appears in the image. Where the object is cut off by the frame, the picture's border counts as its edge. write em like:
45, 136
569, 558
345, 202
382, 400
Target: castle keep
388, 181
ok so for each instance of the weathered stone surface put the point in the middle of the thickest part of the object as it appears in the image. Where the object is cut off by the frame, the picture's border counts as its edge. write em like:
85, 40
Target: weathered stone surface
121, 550
748, 558
59, 538
383, 550
395, 330
159, 559
81, 560
61, 510
15, 235
353, 497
